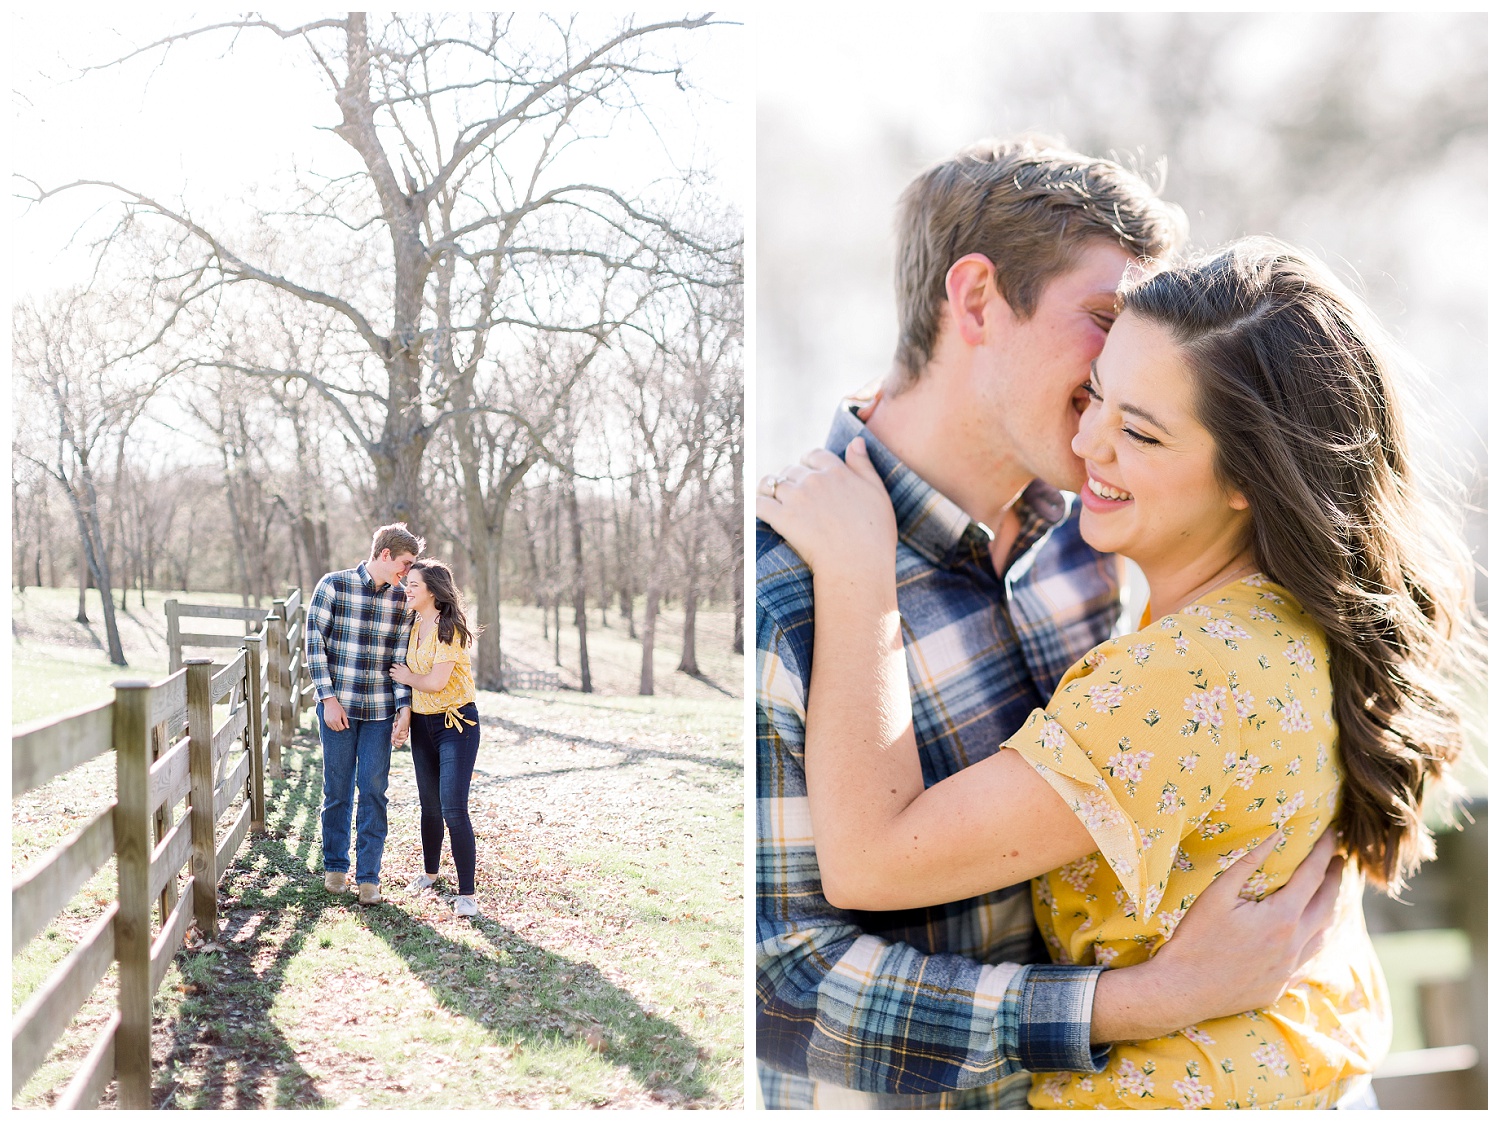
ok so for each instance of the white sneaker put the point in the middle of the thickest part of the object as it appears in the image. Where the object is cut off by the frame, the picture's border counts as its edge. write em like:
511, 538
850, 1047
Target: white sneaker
421, 883
466, 905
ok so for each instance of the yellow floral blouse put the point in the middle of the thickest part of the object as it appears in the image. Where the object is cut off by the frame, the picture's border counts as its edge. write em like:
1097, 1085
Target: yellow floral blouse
421, 657
1180, 748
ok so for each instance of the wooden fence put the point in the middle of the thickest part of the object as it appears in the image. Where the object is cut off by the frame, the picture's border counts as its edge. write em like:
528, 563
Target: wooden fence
171, 752
284, 625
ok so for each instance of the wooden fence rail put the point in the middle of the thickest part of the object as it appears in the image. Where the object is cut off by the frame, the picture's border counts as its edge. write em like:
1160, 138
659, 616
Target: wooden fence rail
179, 769
283, 627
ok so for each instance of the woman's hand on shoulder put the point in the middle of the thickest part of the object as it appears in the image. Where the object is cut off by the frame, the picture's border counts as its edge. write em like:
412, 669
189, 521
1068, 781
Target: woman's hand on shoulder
834, 512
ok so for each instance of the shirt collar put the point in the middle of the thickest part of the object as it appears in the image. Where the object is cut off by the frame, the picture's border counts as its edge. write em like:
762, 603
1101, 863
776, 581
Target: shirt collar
367, 578
927, 520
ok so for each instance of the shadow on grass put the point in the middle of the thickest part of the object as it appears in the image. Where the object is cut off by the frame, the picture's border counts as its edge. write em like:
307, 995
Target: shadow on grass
709, 682
559, 992
629, 753
224, 1030
222, 1048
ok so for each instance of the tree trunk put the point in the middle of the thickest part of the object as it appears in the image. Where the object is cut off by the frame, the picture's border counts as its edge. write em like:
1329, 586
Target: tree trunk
737, 538
315, 548
533, 569
83, 585
489, 657
648, 636
580, 598
16, 536
625, 555
486, 520
397, 455
663, 530
236, 525
91, 538
601, 554
688, 664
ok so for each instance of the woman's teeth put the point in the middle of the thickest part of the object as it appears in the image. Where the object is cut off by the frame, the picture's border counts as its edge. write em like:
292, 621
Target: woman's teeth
1104, 491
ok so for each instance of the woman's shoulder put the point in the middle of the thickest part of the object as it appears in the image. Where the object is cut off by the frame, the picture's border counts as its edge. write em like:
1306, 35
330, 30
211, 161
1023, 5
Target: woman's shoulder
1253, 626
456, 647
1253, 620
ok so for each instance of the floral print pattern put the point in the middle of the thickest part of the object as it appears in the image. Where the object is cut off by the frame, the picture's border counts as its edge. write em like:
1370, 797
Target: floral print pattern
1170, 809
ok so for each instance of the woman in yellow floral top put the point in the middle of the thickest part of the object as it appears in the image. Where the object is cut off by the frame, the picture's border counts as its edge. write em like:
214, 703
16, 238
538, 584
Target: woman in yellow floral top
444, 724
1242, 445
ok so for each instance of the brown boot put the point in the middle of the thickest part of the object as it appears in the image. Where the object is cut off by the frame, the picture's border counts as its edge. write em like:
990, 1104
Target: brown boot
370, 894
335, 882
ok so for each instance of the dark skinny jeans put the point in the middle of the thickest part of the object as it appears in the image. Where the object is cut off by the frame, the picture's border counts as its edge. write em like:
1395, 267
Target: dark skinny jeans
444, 761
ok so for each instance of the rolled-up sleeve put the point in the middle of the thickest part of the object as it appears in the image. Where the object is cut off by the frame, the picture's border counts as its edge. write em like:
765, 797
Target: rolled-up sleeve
838, 1004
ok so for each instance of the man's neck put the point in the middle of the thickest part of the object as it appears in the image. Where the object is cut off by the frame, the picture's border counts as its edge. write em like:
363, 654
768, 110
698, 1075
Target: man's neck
946, 447
377, 574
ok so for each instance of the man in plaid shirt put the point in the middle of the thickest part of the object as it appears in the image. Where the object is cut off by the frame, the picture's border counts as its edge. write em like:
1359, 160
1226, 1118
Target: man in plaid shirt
354, 634
1009, 255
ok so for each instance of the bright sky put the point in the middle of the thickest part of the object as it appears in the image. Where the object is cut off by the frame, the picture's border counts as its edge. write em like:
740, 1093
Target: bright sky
209, 124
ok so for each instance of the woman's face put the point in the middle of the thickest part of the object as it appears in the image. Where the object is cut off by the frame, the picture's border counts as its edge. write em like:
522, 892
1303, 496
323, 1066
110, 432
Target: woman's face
1151, 492
417, 594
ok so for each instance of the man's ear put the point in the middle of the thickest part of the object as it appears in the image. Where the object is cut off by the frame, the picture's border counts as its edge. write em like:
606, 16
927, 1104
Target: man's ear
385, 555
970, 284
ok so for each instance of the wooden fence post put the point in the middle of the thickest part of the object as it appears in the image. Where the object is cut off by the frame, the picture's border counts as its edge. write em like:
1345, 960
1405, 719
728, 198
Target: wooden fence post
132, 738
274, 665
200, 709
255, 733
174, 638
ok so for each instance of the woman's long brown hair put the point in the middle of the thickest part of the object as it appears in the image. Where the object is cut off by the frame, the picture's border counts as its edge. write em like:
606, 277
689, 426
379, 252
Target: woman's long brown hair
450, 605
1295, 384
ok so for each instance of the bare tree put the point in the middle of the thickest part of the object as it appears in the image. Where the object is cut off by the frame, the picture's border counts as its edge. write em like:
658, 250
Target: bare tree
580, 593
86, 380
672, 391
457, 123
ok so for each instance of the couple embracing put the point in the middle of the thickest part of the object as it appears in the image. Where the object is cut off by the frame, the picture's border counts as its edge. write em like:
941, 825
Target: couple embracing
389, 660
973, 761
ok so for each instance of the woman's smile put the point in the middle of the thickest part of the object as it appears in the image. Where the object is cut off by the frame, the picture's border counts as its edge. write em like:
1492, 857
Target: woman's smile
1102, 497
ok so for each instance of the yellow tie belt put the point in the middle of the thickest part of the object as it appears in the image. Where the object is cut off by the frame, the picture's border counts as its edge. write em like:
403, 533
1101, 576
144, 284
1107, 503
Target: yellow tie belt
453, 719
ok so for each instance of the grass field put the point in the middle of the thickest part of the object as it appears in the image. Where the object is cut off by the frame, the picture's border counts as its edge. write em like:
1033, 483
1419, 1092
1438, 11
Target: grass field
606, 970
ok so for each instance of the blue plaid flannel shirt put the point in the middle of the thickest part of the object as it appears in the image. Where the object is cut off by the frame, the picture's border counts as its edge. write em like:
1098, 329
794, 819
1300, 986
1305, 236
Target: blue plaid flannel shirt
930, 1007
353, 635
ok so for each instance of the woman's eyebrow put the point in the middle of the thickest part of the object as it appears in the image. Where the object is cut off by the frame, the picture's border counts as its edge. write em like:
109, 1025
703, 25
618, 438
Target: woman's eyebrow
1133, 410
1137, 411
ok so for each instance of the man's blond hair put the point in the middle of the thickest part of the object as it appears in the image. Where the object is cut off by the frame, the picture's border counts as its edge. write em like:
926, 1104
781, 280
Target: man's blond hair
398, 539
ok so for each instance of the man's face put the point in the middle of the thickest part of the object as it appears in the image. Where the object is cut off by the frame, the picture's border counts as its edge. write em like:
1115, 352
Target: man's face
1031, 392
388, 569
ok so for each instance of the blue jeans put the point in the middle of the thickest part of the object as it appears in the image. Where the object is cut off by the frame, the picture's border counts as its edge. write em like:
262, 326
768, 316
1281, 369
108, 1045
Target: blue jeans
359, 755
443, 758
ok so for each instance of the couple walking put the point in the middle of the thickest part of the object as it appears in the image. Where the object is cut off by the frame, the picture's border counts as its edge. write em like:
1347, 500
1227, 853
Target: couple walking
388, 661
972, 752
